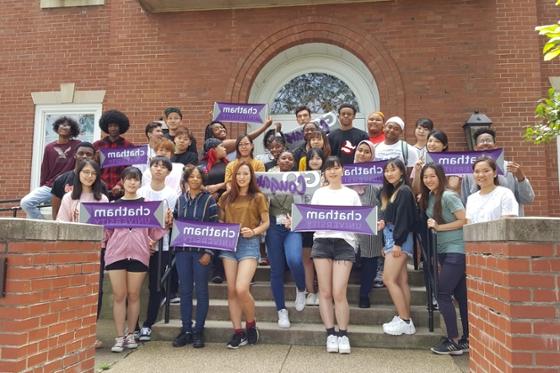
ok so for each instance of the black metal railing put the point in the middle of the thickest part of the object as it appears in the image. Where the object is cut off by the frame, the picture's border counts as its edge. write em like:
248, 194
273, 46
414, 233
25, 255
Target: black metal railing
428, 245
164, 280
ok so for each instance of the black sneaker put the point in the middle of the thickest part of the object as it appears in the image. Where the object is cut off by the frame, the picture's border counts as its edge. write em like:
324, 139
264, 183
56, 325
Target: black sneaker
464, 344
237, 340
447, 347
198, 339
183, 339
253, 335
217, 279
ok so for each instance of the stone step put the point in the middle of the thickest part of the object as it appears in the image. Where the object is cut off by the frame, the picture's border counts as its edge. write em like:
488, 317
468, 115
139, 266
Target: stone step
261, 291
266, 311
306, 334
415, 278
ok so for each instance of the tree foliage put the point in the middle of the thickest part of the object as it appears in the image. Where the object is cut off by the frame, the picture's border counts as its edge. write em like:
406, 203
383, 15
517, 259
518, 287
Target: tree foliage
548, 109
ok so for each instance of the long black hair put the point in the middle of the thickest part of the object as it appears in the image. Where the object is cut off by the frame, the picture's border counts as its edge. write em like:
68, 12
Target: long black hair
389, 191
96, 188
437, 193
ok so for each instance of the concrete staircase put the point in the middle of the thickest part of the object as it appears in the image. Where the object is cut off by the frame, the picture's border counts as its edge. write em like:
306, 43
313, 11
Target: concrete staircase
307, 329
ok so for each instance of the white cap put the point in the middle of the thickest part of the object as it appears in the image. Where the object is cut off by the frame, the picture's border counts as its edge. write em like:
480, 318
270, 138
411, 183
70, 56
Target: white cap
396, 120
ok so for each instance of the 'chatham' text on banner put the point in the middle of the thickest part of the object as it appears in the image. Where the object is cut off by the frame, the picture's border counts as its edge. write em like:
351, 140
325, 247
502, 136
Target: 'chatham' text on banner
357, 219
123, 156
240, 113
208, 235
364, 173
125, 214
460, 163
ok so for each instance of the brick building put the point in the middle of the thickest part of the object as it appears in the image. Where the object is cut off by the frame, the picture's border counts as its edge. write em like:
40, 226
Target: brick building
437, 58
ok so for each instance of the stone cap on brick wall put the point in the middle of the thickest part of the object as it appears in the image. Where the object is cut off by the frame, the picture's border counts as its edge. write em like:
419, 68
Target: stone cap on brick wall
526, 229
14, 229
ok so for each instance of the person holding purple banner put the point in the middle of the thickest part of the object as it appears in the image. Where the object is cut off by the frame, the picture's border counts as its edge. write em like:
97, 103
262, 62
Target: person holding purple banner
193, 262
284, 246
114, 123
333, 253
398, 218
370, 246
513, 178
127, 257
446, 216
245, 205
87, 187
157, 190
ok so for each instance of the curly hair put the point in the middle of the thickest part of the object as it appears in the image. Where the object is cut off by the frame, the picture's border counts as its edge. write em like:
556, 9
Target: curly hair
74, 127
114, 116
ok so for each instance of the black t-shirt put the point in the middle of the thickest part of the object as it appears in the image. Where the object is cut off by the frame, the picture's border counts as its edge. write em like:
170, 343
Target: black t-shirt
185, 158
343, 143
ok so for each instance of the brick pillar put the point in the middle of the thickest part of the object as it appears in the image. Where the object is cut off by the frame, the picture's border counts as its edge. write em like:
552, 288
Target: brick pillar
513, 281
48, 315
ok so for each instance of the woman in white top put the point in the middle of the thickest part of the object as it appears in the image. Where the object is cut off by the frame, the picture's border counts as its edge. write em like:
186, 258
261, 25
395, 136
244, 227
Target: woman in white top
333, 253
492, 201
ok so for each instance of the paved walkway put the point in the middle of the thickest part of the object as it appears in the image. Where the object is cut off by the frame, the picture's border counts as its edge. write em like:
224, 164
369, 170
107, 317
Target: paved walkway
156, 356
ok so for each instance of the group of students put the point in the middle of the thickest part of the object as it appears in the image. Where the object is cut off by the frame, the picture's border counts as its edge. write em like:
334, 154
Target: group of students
222, 187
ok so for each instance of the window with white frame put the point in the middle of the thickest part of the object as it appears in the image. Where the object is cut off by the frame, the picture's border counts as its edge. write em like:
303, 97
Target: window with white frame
87, 116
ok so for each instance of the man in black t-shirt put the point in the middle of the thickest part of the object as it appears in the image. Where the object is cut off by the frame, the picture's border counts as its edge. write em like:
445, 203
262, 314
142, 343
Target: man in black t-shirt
344, 140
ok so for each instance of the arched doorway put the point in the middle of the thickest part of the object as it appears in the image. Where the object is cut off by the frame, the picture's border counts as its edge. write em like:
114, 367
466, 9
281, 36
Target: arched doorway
320, 75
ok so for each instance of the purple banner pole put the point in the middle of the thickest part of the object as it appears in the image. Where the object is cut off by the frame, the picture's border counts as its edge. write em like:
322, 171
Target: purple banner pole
460, 163
356, 219
240, 113
123, 156
208, 235
124, 214
363, 173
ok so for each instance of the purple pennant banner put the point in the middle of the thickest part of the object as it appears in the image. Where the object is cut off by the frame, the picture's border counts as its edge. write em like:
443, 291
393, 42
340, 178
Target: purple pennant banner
364, 173
460, 163
123, 156
125, 214
217, 236
357, 219
326, 122
240, 113
301, 185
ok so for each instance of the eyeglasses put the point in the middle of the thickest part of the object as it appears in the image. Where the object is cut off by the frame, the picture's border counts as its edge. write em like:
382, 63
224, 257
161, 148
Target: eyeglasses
244, 144
89, 173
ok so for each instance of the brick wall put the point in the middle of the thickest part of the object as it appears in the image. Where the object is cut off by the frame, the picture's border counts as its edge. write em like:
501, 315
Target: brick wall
48, 316
513, 282
435, 58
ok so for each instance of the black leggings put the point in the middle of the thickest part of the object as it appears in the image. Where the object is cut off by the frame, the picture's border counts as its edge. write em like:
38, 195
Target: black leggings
453, 282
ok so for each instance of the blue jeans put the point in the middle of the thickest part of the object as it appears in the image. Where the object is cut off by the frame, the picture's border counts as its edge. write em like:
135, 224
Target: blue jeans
191, 272
406, 247
37, 196
283, 245
453, 282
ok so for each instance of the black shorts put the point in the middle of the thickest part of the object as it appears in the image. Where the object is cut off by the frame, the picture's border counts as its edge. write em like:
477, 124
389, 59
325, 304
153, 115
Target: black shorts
129, 265
332, 248
307, 239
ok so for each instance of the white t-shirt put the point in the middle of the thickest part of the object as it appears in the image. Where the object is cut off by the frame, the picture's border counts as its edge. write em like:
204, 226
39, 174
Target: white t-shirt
491, 206
173, 180
384, 151
336, 197
166, 194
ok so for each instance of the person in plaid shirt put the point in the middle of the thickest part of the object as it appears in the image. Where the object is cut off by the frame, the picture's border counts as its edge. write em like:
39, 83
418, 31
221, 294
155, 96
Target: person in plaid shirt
114, 123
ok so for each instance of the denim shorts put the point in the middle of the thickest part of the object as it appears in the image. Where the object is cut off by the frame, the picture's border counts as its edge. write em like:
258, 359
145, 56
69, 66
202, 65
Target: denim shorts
406, 247
247, 248
332, 248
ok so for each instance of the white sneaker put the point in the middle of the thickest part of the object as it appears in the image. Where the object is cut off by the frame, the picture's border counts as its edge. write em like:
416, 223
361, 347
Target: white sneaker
130, 341
119, 345
399, 327
343, 345
332, 343
311, 299
300, 300
283, 319
393, 320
